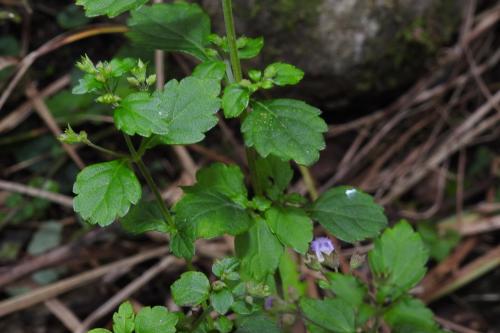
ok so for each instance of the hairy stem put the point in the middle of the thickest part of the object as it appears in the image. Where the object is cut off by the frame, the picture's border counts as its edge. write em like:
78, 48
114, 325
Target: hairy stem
238, 76
105, 150
149, 179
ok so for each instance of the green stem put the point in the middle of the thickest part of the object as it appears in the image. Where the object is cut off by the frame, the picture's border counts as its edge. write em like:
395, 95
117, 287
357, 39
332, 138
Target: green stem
309, 181
149, 179
201, 318
238, 76
106, 151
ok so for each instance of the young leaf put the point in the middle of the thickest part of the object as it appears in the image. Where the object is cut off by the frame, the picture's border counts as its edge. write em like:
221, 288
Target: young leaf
292, 226
274, 175
111, 8
104, 191
397, 261
235, 100
334, 315
259, 251
155, 320
221, 300
123, 319
182, 242
210, 70
252, 47
87, 84
225, 267
287, 128
283, 74
181, 113
349, 214
191, 289
178, 26
146, 216
410, 315
347, 288
216, 203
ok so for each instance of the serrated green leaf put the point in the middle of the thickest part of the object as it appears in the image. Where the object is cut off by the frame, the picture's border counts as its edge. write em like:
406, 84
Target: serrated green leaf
334, 315
274, 175
235, 100
349, 214
410, 315
182, 243
287, 128
255, 323
211, 70
123, 319
155, 320
181, 113
111, 8
259, 251
104, 191
177, 26
191, 289
284, 74
221, 300
215, 205
143, 217
252, 48
347, 288
397, 261
292, 226
87, 84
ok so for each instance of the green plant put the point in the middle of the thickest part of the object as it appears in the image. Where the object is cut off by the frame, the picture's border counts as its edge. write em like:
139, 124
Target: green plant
258, 290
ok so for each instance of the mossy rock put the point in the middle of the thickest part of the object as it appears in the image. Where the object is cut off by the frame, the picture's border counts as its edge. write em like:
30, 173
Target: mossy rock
352, 45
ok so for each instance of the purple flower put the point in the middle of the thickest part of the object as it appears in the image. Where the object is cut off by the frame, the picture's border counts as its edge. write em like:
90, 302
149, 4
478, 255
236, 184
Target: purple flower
268, 303
320, 246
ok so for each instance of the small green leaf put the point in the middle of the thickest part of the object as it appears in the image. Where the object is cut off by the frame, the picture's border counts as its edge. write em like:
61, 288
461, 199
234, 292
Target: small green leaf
439, 245
292, 226
177, 26
111, 8
283, 74
155, 320
123, 320
216, 204
211, 70
410, 315
287, 128
182, 243
347, 288
259, 251
104, 191
222, 300
87, 84
224, 267
255, 323
191, 289
181, 113
397, 261
223, 324
251, 48
274, 175
145, 216
334, 315
235, 100
349, 214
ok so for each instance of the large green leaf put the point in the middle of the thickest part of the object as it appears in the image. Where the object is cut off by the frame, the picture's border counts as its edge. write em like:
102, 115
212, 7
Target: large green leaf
191, 289
155, 320
334, 315
397, 261
146, 216
110, 8
292, 226
216, 204
410, 315
287, 128
104, 191
259, 251
349, 214
177, 26
181, 113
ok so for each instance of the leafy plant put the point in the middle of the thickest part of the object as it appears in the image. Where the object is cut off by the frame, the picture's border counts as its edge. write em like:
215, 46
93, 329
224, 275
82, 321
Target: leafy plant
258, 290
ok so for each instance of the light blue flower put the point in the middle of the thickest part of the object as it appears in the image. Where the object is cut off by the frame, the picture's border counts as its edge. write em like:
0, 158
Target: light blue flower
320, 246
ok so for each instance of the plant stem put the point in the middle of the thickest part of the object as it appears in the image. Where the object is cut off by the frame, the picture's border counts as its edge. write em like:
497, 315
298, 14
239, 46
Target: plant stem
106, 151
199, 320
238, 76
309, 181
149, 179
